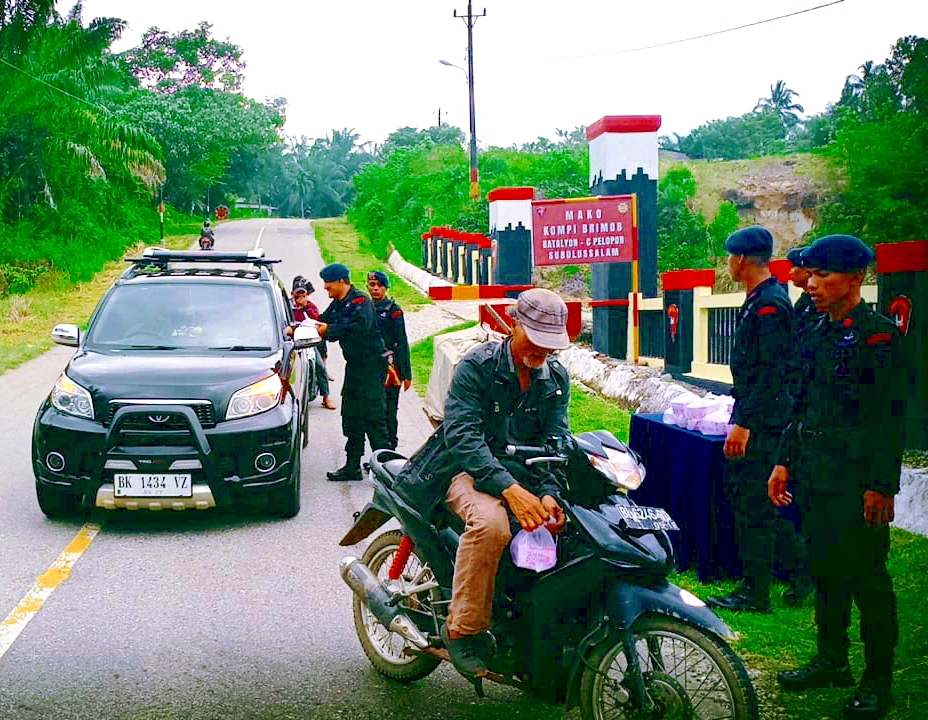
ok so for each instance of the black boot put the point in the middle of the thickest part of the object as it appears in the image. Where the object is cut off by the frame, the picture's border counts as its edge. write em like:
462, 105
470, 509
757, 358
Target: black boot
348, 472
870, 701
747, 597
465, 653
819, 673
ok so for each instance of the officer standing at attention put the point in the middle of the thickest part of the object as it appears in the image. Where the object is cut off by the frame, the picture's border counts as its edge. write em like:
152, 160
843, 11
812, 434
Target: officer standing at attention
843, 452
393, 331
760, 370
350, 320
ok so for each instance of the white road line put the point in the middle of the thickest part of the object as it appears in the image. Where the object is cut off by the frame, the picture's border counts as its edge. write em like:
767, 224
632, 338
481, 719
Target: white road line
258, 241
45, 584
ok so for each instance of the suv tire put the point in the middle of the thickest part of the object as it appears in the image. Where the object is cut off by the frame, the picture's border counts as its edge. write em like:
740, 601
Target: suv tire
285, 501
57, 503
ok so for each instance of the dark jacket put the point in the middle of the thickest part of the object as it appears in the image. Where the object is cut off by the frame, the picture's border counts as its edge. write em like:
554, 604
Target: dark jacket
352, 323
484, 411
850, 413
760, 358
393, 331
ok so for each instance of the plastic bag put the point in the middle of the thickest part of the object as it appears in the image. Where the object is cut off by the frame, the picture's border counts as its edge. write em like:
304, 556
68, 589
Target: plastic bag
535, 550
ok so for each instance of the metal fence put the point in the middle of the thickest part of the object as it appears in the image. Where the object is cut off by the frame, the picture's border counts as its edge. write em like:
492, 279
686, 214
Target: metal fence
651, 333
722, 324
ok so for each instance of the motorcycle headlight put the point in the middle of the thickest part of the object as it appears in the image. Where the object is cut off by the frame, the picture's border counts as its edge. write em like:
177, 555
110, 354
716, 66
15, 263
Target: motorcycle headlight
70, 398
264, 395
620, 467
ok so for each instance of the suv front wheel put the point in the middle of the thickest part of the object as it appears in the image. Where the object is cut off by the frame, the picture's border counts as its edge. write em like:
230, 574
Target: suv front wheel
57, 503
285, 501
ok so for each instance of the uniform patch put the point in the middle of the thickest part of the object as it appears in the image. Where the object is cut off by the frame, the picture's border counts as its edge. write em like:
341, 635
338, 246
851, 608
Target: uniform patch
849, 339
359, 300
397, 313
879, 338
767, 310
847, 322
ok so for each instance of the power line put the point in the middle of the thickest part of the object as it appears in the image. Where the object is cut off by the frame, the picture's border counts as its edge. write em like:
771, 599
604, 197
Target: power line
57, 89
699, 37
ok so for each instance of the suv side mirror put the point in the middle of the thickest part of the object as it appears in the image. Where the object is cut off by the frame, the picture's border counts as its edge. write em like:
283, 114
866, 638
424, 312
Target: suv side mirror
67, 334
305, 336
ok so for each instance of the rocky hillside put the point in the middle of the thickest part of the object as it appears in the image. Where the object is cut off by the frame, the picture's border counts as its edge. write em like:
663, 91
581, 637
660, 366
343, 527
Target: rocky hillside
781, 193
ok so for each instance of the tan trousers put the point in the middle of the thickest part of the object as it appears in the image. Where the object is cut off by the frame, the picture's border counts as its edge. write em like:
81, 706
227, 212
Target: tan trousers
486, 535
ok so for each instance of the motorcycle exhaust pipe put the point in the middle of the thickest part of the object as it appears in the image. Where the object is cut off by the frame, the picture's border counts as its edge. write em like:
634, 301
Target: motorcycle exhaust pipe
366, 586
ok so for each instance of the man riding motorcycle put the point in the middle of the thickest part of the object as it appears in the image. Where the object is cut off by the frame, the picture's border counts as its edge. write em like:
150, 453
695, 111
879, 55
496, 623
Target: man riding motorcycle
207, 239
510, 392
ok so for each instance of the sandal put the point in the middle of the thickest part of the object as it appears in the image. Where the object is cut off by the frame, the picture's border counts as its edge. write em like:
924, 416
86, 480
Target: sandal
328, 404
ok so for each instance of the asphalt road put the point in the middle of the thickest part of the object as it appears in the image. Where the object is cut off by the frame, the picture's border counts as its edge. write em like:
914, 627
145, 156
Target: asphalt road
200, 615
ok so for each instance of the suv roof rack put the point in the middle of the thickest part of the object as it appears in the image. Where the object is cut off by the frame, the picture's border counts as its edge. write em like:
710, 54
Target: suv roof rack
160, 256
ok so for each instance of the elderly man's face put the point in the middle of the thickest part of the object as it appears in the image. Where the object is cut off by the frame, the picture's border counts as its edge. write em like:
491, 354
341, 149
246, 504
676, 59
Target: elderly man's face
524, 351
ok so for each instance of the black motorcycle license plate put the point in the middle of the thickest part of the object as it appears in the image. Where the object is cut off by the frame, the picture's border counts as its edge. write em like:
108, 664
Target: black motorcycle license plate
646, 518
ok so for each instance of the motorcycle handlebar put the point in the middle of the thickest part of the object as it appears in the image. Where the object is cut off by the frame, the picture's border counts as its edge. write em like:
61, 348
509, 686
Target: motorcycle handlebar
525, 450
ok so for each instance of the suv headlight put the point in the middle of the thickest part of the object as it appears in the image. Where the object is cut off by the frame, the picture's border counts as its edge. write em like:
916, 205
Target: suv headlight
620, 467
70, 398
264, 395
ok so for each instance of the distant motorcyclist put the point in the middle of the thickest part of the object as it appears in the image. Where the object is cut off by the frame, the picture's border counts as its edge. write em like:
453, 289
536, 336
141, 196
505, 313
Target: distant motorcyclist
207, 238
510, 392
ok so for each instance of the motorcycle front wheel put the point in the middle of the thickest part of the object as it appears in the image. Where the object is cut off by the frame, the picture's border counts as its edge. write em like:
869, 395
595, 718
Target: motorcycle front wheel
390, 653
688, 675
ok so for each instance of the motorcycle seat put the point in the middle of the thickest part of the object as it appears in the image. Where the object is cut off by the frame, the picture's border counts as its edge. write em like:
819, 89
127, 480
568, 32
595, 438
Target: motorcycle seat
387, 464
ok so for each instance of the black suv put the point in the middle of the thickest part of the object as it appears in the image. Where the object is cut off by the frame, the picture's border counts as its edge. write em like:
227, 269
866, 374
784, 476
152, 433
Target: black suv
186, 391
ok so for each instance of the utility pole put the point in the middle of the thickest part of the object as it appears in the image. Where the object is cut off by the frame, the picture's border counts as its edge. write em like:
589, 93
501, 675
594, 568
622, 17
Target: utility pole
470, 19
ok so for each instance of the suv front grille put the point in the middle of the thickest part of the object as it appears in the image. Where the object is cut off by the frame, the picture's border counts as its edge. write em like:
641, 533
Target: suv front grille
155, 422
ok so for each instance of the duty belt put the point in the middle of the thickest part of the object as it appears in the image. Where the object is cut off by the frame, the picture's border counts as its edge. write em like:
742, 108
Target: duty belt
805, 432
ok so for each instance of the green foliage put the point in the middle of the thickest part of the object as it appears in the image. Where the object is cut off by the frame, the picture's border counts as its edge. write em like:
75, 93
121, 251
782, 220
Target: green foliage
682, 237
882, 140
421, 180
169, 63
762, 132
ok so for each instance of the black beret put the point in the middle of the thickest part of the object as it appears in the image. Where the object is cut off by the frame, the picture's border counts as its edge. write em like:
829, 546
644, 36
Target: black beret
837, 253
380, 277
754, 240
794, 255
335, 271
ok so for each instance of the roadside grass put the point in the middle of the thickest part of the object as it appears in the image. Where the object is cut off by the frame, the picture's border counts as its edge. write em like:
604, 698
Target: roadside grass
339, 242
786, 639
26, 320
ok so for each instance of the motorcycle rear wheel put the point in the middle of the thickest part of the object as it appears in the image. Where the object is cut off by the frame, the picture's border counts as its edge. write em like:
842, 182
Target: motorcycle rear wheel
390, 654
689, 675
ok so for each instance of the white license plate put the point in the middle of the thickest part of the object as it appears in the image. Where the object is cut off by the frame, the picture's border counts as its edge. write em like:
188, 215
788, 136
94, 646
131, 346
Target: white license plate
152, 485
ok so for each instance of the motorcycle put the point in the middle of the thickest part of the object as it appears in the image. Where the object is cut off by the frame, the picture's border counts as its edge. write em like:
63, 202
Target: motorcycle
207, 242
602, 629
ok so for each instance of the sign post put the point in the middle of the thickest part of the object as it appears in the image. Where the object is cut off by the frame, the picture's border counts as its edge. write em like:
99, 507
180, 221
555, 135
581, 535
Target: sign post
579, 231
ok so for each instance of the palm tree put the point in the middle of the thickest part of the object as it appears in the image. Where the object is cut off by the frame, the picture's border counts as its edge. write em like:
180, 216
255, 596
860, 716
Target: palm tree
51, 111
781, 102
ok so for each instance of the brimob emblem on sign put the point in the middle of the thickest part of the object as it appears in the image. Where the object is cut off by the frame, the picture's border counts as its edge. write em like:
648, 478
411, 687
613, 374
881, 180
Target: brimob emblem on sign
623, 207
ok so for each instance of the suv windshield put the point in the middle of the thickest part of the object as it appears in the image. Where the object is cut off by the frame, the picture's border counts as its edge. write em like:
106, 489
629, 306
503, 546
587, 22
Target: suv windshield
182, 315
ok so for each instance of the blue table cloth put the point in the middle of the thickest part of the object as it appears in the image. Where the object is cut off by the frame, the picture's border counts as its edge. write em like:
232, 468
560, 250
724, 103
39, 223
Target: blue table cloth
685, 476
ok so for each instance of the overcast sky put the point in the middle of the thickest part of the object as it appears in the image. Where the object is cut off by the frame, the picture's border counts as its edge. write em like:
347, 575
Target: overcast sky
539, 65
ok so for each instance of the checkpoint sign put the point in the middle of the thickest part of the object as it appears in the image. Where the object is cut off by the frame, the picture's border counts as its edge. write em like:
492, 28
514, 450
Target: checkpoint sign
577, 231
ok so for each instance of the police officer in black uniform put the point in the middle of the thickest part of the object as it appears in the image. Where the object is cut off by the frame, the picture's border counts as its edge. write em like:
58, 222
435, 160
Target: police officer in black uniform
350, 320
760, 371
393, 331
843, 452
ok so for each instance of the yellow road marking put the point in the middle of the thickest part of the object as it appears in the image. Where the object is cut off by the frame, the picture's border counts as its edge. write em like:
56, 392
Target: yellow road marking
45, 584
